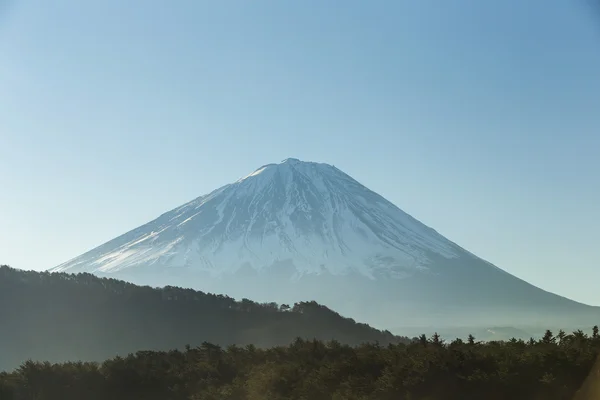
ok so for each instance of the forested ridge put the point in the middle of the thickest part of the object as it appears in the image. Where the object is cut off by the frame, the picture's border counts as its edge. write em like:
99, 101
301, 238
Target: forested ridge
175, 344
62, 317
554, 367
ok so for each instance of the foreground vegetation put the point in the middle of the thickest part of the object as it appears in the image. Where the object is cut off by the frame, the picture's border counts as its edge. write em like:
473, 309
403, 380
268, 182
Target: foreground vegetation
426, 369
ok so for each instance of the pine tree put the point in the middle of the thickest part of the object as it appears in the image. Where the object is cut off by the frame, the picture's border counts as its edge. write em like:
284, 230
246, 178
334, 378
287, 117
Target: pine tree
471, 339
561, 336
436, 340
548, 337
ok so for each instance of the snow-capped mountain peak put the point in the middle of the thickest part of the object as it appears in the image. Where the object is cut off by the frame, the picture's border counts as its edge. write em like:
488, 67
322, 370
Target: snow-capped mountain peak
309, 214
297, 230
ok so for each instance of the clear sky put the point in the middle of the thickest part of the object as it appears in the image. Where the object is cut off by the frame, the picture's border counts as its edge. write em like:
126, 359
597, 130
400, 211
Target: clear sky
479, 118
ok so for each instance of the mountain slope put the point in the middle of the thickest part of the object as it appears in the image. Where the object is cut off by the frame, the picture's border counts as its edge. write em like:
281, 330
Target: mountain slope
59, 317
298, 230
312, 214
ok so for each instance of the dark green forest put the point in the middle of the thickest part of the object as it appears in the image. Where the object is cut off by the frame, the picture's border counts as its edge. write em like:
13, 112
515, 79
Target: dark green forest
174, 344
61, 317
554, 367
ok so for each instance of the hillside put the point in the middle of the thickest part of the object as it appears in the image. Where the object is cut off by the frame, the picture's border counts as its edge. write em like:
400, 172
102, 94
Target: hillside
60, 317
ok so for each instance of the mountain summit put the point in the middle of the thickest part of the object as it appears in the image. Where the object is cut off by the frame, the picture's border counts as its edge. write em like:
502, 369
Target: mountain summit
302, 230
310, 214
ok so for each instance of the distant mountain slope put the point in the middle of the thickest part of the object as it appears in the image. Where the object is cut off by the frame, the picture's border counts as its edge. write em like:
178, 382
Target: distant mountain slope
302, 230
82, 317
310, 214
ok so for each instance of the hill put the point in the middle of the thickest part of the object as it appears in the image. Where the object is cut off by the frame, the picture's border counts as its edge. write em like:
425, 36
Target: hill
62, 317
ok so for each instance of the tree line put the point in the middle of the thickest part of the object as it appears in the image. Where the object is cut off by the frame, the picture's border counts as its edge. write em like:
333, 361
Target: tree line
552, 368
61, 317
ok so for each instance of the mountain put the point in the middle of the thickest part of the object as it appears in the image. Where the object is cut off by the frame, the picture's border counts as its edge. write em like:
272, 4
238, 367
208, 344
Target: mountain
63, 317
302, 230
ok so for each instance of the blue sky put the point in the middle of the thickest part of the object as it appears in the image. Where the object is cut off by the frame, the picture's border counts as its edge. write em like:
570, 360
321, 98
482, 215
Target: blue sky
479, 118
